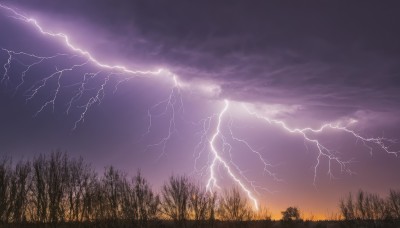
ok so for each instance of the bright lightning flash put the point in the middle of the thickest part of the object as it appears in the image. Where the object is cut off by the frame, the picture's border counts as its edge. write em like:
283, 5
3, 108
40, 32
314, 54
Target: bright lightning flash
172, 106
217, 158
324, 151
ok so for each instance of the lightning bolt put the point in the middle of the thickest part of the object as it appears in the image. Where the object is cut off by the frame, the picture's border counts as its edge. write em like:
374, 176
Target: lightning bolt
58, 74
212, 140
74, 48
7, 65
324, 151
90, 59
173, 105
81, 89
212, 181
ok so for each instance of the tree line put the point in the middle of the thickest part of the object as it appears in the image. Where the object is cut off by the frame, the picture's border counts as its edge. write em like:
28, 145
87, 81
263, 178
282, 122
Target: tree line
365, 208
56, 189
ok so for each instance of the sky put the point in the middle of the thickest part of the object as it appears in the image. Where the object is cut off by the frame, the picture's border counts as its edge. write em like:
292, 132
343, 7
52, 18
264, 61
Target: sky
303, 63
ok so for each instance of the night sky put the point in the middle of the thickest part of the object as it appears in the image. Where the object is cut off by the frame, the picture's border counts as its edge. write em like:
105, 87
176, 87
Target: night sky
306, 63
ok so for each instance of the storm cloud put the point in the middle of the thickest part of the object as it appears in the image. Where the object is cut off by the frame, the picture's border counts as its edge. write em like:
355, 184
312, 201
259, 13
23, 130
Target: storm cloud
335, 56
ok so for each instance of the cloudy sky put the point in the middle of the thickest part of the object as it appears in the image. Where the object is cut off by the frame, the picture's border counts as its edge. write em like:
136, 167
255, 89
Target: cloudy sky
306, 63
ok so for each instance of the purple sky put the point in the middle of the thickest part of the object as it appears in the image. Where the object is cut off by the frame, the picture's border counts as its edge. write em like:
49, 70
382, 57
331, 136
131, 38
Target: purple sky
305, 63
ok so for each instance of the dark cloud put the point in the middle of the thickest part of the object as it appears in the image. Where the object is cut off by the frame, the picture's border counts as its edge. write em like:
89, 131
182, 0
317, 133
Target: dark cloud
311, 53
333, 58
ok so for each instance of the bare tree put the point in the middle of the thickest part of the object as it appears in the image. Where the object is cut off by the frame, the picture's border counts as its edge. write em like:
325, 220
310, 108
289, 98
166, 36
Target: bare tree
347, 208
89, 206
202, 205
234, 207
175, 199
79, 176
147, 202
198, 203
96, 204
371, 207
40, 188
51, 181
360, 205
129, 202
211, 208
5, 189
367, 209
57, 184
394, 204
139, 203
112, 183
21, 185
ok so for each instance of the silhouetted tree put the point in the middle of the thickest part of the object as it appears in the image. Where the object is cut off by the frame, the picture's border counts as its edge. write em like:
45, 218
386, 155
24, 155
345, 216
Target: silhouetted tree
234, 207
78, 180
139, 203
57, 178
211, 207
147, 202
20, 187
198, 203
40, 189
89, 204
175, 199
112, 183
202, 205
347, 208
393, 202
97, 207
291, 214
129, 203
369, 209
5, 189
